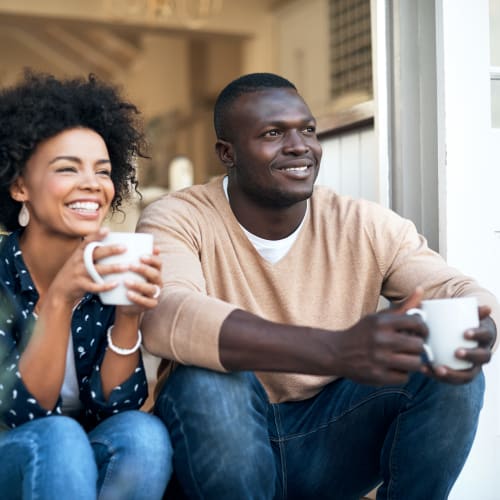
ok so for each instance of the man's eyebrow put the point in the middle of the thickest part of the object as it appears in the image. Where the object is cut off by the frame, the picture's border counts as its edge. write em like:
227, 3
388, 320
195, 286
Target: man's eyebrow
284, 123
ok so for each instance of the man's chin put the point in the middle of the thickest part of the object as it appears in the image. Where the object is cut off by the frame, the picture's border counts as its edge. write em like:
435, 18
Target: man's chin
288, 199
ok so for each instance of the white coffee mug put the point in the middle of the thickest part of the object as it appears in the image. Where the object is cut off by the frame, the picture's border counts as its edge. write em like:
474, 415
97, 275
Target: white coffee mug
137, 245
447, 321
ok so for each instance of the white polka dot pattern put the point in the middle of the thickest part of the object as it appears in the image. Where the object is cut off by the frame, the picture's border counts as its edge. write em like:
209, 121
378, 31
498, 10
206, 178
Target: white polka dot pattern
90, 322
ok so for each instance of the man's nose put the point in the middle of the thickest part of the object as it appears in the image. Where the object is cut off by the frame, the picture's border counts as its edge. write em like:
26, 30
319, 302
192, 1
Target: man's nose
295, 143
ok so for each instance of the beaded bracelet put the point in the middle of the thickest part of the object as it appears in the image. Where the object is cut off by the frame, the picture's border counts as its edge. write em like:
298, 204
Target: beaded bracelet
120, 350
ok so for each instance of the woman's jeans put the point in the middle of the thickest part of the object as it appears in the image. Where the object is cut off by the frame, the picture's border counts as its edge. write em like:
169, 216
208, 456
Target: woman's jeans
230, 443
127, 456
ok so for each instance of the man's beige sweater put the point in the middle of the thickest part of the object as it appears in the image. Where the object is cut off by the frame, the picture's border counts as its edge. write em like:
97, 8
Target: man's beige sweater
347, 254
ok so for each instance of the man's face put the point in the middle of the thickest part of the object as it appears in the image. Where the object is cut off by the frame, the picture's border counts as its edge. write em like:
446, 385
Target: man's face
276, 153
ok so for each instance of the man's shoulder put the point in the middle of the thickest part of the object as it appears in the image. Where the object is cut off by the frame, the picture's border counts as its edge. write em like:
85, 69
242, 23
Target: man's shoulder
326, 199
192, 196
189, 206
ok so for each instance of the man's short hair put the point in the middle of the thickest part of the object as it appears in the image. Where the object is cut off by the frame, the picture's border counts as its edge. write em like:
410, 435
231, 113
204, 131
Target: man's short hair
245, 84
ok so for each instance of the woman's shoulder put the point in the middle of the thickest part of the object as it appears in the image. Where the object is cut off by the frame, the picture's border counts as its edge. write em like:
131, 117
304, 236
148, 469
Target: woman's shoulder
9, 242
9, 252
3, 238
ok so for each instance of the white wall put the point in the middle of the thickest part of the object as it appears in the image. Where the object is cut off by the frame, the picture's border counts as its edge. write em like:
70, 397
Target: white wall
349, 164
469, 178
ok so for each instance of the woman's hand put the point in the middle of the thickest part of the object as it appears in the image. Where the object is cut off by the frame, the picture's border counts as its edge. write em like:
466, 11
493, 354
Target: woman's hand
144, 295
73, 281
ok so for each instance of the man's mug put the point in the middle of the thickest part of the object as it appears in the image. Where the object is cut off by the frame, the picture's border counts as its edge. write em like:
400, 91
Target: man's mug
447, 321
137, 245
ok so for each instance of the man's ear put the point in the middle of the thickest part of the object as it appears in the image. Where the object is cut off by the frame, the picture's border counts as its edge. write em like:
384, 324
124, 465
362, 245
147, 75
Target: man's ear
18, 190
225, 152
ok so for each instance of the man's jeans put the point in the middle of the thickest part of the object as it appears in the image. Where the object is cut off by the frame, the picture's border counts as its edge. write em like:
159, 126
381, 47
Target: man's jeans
230, 443
127, 456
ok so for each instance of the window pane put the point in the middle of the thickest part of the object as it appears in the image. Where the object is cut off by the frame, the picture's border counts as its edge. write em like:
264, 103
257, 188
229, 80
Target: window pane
350, 52
495, 32
495, 103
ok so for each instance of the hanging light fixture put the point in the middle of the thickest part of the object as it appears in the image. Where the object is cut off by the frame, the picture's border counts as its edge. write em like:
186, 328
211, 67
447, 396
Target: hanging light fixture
164, 9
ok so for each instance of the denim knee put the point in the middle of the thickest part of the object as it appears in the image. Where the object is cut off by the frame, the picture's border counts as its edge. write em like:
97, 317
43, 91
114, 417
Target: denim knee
57, 458
65, 441
464, 404
134, 455
221, 402
465, 400
218, 426
431, 438
144, 435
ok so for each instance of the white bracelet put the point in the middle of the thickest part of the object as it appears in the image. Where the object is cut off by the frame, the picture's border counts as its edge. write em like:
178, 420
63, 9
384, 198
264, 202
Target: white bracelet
119, 350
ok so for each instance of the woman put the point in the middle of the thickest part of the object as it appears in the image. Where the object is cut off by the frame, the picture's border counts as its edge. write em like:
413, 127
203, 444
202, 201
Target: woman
71, 373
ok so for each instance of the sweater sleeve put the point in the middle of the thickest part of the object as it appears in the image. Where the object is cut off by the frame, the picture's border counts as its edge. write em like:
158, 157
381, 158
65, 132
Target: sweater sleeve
409, 263
185, 325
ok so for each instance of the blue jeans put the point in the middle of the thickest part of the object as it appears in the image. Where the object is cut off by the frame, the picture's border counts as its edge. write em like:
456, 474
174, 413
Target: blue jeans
127, 456
229, 442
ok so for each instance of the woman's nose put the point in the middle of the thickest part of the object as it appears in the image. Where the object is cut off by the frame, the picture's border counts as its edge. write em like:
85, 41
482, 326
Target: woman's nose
89, 180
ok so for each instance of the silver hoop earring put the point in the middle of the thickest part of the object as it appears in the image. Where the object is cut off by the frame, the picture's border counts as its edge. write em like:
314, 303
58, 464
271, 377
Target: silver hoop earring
24, 216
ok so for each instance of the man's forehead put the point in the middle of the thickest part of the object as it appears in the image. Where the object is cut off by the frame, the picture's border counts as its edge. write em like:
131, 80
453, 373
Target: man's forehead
268, 103
269, 94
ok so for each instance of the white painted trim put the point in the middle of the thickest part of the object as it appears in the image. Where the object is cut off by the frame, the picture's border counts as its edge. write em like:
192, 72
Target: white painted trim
413, 119
380, 42
441, 131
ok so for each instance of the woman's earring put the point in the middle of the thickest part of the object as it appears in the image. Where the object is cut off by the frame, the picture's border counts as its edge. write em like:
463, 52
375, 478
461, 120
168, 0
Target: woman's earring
24, 216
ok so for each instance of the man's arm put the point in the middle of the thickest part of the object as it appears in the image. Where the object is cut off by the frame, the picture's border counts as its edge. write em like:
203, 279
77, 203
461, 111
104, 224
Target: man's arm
193, 328
185, 324
382, 348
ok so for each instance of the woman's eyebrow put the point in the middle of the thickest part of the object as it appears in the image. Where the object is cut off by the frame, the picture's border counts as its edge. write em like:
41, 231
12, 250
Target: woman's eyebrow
76, 159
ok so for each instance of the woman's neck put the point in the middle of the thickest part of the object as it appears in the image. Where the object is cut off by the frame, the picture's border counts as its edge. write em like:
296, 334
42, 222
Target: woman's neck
44, 256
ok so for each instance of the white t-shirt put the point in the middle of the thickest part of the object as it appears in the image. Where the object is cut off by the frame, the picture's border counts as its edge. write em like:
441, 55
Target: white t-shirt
271, 250
70, 393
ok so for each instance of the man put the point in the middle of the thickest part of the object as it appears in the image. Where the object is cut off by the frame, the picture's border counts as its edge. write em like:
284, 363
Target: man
288, 384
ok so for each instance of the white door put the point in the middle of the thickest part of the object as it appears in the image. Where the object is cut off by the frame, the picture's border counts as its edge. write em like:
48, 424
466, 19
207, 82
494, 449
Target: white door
469, 183
442, 110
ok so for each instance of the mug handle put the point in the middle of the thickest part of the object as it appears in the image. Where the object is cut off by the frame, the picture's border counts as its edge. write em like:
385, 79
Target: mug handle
88, 260
427, 347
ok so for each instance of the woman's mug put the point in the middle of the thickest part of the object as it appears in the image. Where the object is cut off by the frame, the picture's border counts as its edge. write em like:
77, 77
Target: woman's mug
447, 321
137, 245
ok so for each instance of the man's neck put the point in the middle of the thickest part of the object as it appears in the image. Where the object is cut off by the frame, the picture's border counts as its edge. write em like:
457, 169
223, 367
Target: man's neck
268, 222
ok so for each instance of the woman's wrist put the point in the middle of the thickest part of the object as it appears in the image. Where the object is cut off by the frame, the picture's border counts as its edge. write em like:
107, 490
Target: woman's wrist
118, 349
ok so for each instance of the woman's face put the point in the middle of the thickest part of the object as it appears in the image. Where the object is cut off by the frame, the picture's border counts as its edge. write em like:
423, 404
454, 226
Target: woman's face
66, 184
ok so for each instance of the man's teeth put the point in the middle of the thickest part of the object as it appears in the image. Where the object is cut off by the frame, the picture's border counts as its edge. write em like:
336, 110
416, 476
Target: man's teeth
296, 169
89, 206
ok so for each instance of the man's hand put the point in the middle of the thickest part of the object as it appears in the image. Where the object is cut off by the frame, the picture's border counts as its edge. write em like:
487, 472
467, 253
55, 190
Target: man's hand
383, 348
485, 336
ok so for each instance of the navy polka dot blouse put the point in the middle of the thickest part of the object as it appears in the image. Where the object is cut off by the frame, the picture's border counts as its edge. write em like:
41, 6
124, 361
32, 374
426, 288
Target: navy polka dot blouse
90, 321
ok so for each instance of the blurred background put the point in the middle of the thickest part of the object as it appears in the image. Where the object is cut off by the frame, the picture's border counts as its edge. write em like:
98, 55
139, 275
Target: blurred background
172, 57
406, 93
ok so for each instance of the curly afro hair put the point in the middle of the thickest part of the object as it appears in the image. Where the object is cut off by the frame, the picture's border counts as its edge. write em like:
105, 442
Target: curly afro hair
41, 106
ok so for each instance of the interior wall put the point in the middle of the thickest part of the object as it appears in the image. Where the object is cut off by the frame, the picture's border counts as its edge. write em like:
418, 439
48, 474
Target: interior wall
175, 66
214, 63
302, 53
158, 80
172, 69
